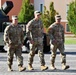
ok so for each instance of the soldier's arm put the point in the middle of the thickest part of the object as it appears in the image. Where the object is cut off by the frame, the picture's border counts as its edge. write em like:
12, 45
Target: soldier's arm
28, 30
42, 27
50, 32
63, 34
6, 35
22, 36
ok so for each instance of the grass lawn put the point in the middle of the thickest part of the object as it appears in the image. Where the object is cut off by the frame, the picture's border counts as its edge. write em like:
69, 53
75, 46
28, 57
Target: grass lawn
70, 40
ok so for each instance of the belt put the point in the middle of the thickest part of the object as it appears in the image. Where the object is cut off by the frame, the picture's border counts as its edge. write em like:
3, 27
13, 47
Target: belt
16, 45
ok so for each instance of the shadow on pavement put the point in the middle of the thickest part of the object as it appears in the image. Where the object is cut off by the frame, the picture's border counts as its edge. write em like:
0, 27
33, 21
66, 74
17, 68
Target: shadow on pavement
58, 70
69, 53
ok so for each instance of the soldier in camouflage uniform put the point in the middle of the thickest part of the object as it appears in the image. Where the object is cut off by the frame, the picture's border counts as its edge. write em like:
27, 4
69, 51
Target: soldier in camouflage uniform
13, 37
56, 33
34, 31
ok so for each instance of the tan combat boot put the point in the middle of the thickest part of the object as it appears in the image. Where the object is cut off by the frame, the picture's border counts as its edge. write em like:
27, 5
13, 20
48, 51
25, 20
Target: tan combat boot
30, 67
10, 68
44, 68
64, 67
52, 67
21, 68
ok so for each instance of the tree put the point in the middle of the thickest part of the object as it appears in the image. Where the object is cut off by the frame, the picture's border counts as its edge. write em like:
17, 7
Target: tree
48, 17
72, 17
26, 12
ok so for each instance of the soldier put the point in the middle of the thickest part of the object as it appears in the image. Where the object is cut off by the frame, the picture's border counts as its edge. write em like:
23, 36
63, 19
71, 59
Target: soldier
56, 33
13, 37
34, 31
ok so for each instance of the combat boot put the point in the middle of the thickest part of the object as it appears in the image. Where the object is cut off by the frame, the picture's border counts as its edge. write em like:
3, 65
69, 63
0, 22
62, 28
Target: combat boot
44, 68
64, 67
52, 67
10, 68
21, 68
30, 67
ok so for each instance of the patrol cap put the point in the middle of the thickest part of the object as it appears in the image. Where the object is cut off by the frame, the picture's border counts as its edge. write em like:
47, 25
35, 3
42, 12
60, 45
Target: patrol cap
57, 17
14, 17
37, 12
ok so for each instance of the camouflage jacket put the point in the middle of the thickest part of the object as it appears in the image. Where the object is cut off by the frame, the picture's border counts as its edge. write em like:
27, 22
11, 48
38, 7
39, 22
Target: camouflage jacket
13, 35
34, 29
56, 32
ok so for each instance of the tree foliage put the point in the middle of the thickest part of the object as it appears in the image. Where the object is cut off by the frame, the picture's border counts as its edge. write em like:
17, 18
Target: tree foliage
26, 12
72, 17
48, 17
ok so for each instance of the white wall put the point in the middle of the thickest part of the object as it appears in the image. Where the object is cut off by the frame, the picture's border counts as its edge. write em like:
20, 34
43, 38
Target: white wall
37, 4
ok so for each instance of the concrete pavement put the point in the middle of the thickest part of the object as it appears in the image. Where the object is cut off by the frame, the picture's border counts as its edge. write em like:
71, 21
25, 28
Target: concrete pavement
71, 60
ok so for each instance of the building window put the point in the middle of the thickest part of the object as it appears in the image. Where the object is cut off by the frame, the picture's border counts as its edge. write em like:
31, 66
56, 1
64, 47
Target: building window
67, 8
41, 7
67, 28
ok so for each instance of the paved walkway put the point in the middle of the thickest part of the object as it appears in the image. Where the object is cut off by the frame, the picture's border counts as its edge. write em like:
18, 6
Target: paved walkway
71, 60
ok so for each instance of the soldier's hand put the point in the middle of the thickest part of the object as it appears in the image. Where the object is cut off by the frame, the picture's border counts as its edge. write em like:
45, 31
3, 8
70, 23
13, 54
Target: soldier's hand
21, 45
54, 41
31, 41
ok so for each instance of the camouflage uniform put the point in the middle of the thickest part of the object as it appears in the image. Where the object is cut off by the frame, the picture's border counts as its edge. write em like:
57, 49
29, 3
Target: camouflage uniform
13, 37
56, 32
35, 33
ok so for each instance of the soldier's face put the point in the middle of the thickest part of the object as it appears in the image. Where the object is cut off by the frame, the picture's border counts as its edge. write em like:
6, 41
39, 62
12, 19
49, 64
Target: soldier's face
37, 16
15, 21
58, 20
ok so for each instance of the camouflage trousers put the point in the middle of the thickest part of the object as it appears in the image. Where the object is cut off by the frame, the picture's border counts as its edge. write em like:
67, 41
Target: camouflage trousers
38, 43
17, 50
62, 53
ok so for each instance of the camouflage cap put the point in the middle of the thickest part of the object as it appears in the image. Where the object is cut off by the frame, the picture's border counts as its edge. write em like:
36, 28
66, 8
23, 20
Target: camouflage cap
57, 17
37, 12
14, 17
